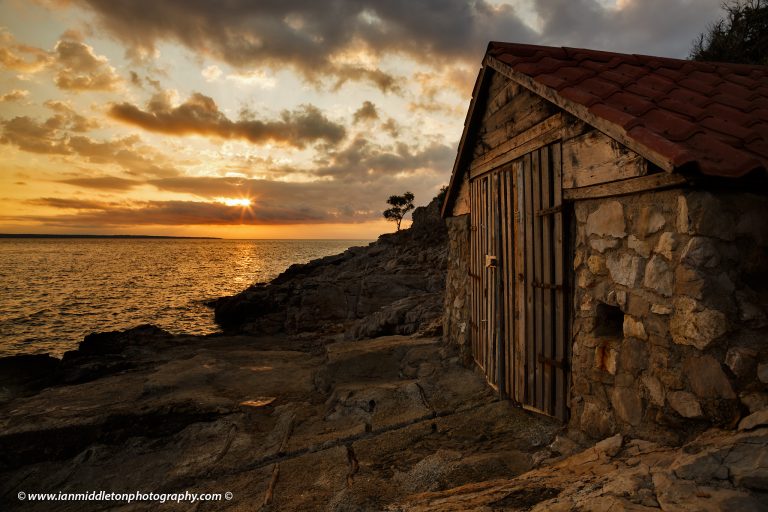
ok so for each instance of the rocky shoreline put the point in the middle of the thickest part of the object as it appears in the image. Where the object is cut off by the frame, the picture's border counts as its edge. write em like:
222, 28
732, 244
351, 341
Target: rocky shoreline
332, 390
393, 286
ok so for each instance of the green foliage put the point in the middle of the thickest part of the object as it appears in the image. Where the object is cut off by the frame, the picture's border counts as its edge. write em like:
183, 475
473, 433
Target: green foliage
740, 37
400, 206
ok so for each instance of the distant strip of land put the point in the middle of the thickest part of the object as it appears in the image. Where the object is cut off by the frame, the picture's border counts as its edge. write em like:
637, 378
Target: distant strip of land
34, 235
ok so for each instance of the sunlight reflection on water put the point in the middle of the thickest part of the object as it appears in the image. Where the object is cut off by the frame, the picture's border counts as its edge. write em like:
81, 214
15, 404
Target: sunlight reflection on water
53, 292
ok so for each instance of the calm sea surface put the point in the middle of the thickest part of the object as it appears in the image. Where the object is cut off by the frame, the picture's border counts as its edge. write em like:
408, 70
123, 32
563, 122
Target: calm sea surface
55, 291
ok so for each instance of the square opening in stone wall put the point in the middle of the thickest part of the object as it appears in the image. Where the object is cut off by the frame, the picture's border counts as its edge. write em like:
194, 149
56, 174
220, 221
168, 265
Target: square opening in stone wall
609, 321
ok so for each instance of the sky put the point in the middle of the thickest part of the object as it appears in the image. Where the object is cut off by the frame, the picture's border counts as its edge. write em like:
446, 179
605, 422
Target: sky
263, 119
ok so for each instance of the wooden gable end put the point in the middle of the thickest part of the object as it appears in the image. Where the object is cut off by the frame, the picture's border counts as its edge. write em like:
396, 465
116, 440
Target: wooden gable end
509, 111
509, 120
505, 117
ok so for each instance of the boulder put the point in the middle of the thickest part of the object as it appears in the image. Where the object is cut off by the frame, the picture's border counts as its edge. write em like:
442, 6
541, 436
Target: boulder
26, 373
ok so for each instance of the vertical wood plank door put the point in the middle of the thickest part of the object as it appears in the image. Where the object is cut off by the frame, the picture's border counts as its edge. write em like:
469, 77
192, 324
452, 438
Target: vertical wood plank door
519, 318
541, 283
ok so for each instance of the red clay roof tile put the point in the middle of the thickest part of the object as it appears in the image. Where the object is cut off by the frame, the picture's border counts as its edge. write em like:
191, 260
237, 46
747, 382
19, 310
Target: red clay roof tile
713, 116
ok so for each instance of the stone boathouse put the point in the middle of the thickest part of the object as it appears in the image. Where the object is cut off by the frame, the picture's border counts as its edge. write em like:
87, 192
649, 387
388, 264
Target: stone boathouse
608, 224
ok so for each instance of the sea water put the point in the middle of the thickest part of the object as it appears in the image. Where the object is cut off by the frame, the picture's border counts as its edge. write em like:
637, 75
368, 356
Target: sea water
55, 291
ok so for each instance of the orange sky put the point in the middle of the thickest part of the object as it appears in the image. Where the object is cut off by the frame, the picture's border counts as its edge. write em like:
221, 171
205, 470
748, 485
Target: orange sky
151, 117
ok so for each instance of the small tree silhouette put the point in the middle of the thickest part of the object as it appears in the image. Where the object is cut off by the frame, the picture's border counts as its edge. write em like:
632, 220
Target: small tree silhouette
400, 206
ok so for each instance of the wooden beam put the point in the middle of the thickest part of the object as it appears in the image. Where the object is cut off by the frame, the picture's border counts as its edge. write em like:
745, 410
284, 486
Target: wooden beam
594, 158
539, 135
629, 186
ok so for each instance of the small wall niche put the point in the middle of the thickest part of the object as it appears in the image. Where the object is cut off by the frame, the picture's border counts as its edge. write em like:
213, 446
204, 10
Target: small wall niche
609, 321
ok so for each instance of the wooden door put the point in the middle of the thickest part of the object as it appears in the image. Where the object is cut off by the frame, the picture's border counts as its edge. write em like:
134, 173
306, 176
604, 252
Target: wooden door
541, 282
518, 279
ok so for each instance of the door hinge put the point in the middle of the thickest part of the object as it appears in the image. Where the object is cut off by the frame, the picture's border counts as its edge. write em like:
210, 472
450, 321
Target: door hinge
549, 211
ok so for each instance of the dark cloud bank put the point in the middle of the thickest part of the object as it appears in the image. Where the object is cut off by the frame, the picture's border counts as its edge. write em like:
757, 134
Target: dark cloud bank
200, 115
307, 34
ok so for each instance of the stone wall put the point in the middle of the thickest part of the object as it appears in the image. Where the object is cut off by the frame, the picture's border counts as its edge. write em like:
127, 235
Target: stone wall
456, 328
669, 328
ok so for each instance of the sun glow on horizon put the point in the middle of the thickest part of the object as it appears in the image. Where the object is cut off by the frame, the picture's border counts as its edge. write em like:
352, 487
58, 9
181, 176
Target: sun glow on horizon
245, 202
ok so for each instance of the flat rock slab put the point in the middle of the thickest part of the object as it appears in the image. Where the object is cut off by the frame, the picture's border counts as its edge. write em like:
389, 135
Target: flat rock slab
339, 426
719, 470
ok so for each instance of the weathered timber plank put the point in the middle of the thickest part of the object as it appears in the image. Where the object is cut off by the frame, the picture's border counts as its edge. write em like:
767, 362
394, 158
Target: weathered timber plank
472, 263
483, 273
486, 287
628, 186
496, 82
538, 135
546, 277
492, 200
501, 98
500, 298
537, 277
530, 333
519, 251
562, 348
573, 127
520, 113
594, 158
501, 229
509, 289
479, 269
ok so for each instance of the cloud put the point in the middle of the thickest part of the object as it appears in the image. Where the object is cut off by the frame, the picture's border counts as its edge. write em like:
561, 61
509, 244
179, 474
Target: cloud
367, 112
80, 69
171, 213
29, 135
312, 36
62, 134
49, 136
126, 152
329, 201
348, 39
66, 117
77, 67
21, 57
362, 160
200, 115
68, 204
391, 127
253, 78
211, 73
111, 183
14, 95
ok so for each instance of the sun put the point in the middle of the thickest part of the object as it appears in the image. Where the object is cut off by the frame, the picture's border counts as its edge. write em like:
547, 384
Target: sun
235, 201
